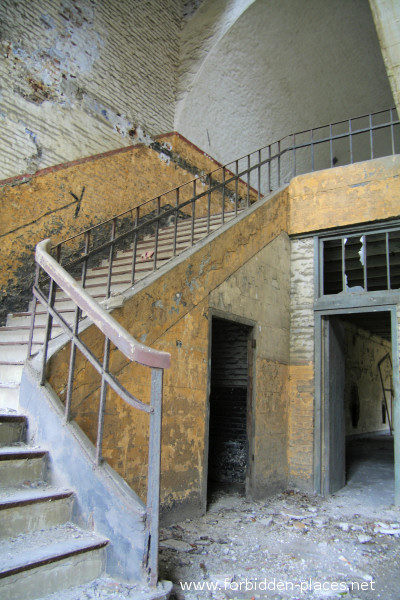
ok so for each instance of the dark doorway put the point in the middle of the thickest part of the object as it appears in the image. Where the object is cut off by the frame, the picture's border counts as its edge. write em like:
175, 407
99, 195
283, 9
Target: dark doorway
229, 407
358, 402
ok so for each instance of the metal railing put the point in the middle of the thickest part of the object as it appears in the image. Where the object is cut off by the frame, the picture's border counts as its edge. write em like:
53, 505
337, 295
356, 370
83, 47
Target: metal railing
113, 333
226, 190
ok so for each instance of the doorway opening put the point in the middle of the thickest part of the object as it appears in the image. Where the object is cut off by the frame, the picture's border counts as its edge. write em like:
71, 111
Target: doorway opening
229, 407
358, 450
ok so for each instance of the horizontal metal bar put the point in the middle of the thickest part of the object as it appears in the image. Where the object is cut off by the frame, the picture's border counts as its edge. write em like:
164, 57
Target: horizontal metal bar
130, 347
111, 380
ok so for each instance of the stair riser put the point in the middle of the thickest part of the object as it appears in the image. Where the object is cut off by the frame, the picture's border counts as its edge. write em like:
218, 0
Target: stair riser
33, 517
22, 335
13, 432
10, 373
9, 397
16, 352
17, 321
14, 472
56, 576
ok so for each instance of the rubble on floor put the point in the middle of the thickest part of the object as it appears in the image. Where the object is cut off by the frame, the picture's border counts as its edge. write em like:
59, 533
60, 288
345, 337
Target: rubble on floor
292, 546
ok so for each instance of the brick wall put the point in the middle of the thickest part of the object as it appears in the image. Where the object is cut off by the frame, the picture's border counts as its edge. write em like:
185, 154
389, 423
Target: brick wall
82, 77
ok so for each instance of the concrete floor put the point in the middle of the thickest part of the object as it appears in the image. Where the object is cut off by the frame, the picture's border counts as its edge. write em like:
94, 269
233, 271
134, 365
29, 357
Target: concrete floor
369, 473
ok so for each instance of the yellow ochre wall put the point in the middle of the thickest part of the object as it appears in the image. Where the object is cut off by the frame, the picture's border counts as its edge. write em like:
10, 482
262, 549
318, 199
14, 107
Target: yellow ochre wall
246, 271
34, 207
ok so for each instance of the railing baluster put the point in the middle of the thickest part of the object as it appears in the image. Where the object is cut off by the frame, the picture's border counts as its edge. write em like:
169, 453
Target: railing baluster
294, 155
259, 176
153, 486
209, 204
111, 258
176, 221
331, 144
351, 141
371, 137
236, 186
72, 356
248, 181
135, 242
392, 131
49, 323
312, 150
193, 212
223, 196
279, 163
33, 315
102, 403
269, 168
156, 233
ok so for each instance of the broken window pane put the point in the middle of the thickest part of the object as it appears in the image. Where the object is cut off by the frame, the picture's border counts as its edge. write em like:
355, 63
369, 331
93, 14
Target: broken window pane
354, 263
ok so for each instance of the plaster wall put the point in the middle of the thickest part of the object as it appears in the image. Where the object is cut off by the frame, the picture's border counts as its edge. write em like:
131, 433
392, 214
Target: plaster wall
80, 78
242, 271
173, 314
386, 14
362, 383
63, 200
281, 67
259, 291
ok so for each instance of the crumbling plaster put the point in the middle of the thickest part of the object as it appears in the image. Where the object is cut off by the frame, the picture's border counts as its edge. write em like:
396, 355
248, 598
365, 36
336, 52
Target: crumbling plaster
80, 77
244, 271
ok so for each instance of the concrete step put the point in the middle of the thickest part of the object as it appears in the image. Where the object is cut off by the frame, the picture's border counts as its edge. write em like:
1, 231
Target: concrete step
9, 396
47, 561
24, 319
22, 464
21, 334
12, 429
30, 509
16, 351
10, 372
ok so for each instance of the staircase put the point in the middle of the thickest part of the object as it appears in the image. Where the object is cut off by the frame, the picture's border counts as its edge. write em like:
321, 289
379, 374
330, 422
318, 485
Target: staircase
41, 550
14, 336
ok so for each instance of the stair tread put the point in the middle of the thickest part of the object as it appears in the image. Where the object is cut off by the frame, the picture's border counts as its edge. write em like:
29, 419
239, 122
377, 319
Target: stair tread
30, 550
30, 494
104, 588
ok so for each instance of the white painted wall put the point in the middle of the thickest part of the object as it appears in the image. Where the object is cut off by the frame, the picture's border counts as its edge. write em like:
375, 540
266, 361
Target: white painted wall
283, 66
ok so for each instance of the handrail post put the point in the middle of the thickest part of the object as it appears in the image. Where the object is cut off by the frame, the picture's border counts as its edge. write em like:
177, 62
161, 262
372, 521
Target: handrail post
72, 357
176, 221
223, 196
193, 212
135, 241
236, 186
33, 316
248, 180
102, 405
110, 258
156, 233
153, 485
49, 323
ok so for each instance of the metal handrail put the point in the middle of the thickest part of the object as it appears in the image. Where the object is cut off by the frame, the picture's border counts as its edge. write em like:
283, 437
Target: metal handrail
133, 351
257, 173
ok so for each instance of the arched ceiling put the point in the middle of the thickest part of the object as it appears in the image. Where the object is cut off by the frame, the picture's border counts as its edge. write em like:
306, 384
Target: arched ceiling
255, 71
